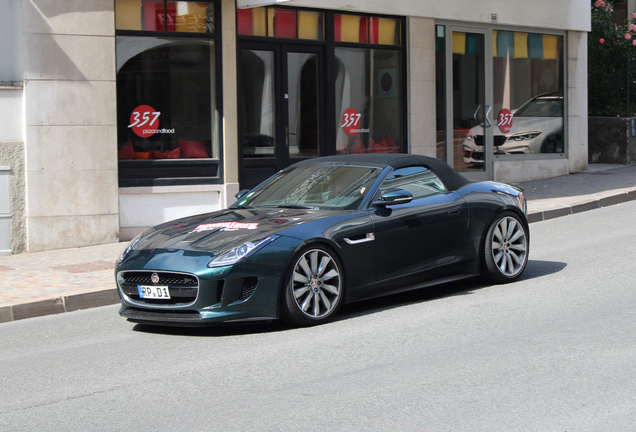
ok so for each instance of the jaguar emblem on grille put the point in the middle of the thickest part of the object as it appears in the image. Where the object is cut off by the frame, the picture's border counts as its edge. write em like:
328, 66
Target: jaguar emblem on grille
154, 278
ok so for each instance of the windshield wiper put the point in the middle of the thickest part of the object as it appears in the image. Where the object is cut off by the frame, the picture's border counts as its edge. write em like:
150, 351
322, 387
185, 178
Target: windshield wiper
292, 206
240, 207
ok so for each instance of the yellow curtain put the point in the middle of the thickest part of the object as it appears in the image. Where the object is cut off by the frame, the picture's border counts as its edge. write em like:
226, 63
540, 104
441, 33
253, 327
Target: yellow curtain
258, 22
521, 45
128, 14
550, 47
349, 28
308, 25
494, 43
459, 43
386, 30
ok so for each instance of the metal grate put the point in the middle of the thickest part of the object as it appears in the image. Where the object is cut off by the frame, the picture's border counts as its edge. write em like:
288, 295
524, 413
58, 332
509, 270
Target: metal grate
249, 286
183, 288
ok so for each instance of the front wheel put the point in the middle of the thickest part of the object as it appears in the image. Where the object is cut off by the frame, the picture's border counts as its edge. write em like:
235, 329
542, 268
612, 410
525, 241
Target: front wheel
313, 288
506, 249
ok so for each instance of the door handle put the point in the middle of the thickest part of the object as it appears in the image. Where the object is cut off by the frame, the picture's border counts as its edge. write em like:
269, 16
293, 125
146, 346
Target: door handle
369, 237
454, 212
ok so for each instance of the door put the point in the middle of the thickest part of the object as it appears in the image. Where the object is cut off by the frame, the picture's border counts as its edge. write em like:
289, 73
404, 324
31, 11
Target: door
469, 132
281, 104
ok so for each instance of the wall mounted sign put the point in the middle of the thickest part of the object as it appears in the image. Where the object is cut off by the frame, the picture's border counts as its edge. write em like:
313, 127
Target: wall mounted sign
505, 121
351, 122
144, 122
256, 3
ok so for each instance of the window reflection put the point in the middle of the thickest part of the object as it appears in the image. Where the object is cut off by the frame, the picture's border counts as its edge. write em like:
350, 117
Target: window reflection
368, 101
527, 93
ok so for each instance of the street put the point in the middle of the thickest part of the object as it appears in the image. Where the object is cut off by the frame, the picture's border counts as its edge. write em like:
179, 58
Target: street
552, 352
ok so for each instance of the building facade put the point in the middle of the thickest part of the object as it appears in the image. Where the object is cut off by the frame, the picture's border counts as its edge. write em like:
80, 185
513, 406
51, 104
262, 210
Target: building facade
117, 115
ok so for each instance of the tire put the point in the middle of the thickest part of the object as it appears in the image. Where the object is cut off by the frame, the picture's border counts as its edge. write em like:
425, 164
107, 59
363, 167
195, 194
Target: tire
314, 287
506, 249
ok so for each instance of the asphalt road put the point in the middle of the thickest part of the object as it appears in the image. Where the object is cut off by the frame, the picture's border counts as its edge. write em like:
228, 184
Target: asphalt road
553, 352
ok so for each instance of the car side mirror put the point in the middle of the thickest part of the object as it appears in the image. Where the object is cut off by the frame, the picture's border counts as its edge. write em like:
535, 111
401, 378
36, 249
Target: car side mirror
241, 194
394, 197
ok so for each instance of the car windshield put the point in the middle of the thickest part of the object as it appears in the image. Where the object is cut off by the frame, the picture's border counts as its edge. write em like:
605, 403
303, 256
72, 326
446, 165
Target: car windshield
340, 187
544, 106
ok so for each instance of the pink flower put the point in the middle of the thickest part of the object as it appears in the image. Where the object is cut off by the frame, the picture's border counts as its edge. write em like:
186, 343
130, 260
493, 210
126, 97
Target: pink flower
632, 27
599, 3
628, 36
634, 42
601, 40
634, 15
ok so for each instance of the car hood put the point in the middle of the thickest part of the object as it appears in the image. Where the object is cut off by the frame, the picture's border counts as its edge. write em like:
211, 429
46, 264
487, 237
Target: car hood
220, 231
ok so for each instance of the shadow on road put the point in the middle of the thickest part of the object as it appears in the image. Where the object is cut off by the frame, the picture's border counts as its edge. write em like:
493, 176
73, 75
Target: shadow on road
534, 269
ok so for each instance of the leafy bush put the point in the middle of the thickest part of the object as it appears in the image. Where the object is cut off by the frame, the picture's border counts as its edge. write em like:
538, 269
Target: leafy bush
611, 54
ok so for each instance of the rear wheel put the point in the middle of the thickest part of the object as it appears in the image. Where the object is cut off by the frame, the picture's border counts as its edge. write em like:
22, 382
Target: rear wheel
314, 287
505, 249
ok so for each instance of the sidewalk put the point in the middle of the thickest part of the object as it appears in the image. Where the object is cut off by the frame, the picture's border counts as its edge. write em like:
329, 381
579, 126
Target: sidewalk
65, 280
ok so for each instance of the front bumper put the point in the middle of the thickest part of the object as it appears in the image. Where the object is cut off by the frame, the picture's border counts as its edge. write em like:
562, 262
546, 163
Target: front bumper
246, 291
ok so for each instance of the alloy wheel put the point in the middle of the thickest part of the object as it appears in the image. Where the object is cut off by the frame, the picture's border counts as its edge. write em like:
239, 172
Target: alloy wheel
316, 285
509, 246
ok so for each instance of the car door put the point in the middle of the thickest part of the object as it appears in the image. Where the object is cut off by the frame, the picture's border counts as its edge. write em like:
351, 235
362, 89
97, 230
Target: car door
423, 234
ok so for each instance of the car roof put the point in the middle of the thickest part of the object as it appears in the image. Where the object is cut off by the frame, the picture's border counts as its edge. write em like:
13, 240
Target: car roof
451, 178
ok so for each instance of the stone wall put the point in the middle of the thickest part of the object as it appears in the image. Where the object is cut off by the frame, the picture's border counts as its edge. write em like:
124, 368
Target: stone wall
12, 155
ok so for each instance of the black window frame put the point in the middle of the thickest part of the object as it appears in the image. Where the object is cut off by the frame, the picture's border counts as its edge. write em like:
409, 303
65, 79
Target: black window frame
177, 172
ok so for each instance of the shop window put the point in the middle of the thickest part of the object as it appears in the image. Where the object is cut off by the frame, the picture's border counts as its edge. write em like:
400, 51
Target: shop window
368, 100
528, 93
167, 98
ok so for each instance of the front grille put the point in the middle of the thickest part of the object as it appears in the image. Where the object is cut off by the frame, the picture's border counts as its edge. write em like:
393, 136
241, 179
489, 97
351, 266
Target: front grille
183, 288
248, 288
497, 140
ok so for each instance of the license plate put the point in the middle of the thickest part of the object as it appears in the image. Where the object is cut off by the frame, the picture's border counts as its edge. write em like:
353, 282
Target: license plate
154, 292
479, 149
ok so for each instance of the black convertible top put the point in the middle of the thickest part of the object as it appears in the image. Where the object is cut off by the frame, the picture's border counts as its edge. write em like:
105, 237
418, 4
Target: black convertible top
451, 178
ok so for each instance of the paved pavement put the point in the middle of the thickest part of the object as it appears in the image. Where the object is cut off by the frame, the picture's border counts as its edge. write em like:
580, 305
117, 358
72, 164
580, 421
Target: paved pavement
65, 280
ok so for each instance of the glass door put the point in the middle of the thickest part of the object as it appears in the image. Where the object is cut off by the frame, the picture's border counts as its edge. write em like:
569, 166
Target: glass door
281, 106
468, 102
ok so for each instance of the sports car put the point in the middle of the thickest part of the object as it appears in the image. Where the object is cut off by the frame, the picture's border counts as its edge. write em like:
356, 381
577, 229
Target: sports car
322, 233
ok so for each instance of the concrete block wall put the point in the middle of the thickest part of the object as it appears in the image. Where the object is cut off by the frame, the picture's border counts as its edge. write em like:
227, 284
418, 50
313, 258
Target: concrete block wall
70, 105
421, 86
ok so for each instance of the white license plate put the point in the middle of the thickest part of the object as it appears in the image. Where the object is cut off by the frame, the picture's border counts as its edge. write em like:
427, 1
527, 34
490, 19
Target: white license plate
154, 292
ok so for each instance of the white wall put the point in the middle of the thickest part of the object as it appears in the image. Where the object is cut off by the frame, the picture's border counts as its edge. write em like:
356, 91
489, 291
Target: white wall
144, 207
561, 14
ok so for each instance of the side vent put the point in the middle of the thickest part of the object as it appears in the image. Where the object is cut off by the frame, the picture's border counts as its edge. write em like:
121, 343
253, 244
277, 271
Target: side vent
249, 286
219, 290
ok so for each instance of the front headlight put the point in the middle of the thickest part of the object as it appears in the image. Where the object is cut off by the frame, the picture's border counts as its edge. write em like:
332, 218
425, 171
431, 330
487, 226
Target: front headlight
524, 136
240, 253
130, 247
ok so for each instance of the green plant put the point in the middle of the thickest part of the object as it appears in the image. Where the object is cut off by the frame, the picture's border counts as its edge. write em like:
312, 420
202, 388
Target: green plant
611, 63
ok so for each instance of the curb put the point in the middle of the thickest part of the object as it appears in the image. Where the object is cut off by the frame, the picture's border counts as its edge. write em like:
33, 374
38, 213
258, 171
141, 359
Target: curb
580, 208
58, 305
108, 297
